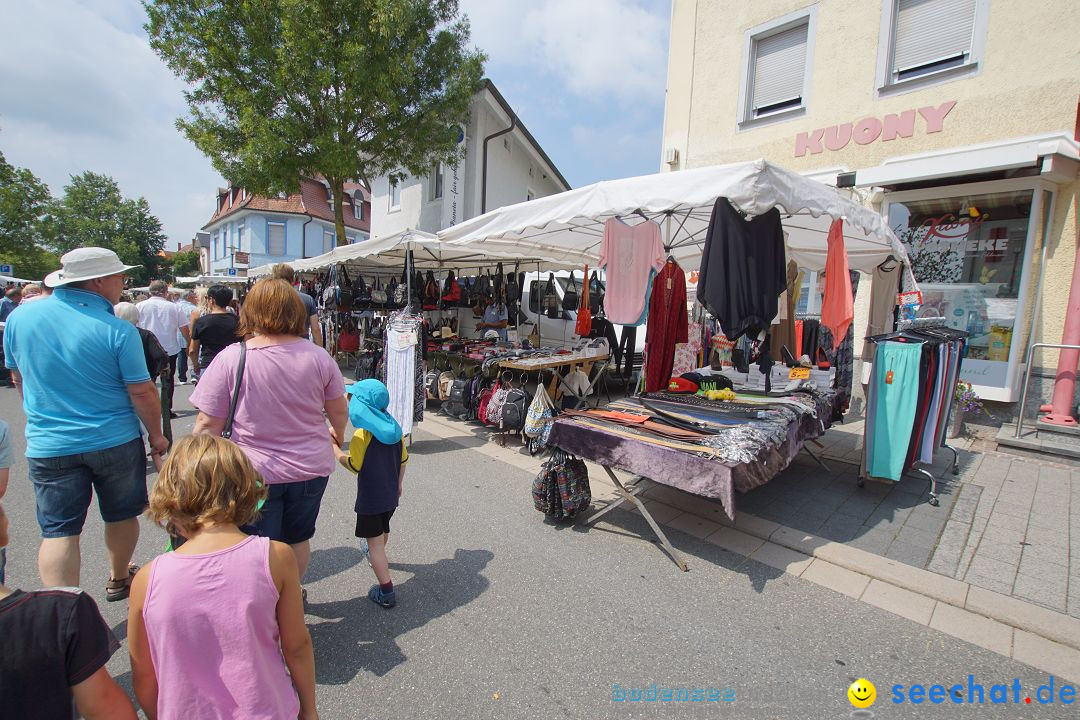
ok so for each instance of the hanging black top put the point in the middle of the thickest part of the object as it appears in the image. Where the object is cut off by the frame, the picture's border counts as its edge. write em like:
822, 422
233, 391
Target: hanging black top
742, 269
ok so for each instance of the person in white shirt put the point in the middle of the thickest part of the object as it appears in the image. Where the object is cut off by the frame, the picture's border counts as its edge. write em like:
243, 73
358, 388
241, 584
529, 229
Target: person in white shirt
186, 302
165, 319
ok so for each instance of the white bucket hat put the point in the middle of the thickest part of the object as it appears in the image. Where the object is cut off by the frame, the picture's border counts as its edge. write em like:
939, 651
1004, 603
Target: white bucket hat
86, 264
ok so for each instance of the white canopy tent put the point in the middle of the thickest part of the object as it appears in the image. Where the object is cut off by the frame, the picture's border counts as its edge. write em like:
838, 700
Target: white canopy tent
568, 227
428, 253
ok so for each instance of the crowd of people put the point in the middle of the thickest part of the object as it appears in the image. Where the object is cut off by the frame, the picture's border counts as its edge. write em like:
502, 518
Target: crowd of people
239, 497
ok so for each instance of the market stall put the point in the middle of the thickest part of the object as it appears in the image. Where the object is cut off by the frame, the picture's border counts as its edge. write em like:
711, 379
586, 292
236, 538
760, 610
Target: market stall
745, 231
412, 290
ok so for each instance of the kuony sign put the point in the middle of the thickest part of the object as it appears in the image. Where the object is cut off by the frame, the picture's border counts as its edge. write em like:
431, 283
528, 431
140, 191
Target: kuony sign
871, 129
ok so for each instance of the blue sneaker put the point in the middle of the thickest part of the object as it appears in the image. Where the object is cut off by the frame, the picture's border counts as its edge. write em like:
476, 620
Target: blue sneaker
385, 599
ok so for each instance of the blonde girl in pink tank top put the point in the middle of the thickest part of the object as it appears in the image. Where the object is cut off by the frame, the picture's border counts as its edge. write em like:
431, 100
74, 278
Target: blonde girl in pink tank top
216, 628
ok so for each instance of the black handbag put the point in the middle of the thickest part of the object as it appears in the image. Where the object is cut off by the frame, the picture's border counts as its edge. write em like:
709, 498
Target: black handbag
551, 299
513, 289
361, 294
345, 291
514, 409
596, 294
570, 295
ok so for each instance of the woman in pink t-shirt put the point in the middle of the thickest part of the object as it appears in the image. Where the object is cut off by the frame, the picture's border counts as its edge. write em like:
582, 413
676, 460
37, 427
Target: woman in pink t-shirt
288, 383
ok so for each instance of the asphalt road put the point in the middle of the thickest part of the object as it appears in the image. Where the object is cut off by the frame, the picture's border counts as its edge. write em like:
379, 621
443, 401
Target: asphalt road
501, 615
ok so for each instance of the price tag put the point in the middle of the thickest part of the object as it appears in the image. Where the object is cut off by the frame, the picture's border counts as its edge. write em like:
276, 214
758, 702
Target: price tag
799, 373
913, 297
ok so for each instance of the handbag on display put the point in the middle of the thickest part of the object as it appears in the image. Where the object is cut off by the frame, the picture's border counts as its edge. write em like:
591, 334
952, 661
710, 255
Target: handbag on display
583, 326
484, 402
431, 292
570, 295
513, 287
561, 489
551, 299
596, 294
514, 409
495, 406
539, 415
483, 283
498, 283
345, 291
378, 295
451, 294
361, 293
349, 340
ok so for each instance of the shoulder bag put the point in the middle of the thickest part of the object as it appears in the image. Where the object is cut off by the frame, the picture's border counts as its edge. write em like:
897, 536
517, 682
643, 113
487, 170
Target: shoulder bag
227, 431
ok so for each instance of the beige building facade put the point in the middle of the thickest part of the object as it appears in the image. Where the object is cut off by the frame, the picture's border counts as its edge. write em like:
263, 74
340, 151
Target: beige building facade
956, 119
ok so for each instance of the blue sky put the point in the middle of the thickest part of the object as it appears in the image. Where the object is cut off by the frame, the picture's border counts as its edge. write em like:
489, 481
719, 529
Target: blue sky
80, 89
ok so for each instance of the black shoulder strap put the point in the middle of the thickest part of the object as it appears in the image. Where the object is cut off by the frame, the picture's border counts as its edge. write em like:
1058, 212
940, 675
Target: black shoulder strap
227, 432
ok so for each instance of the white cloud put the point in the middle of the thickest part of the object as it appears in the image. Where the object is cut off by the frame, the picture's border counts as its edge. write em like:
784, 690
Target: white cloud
80, 89
598, 49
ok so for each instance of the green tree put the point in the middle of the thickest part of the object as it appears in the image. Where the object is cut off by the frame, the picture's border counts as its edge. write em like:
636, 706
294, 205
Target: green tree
27, 223
345, 89
185, 264
94, 213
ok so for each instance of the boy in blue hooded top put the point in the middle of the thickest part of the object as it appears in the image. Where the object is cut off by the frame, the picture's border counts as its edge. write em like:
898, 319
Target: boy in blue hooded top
377, 455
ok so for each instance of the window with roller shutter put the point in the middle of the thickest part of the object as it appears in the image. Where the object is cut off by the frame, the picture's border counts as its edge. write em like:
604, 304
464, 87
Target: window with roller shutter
928, 41
776, 60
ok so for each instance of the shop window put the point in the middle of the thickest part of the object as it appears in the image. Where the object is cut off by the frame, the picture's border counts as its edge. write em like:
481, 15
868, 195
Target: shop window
968, 255
929, 40
275, 238
776, 66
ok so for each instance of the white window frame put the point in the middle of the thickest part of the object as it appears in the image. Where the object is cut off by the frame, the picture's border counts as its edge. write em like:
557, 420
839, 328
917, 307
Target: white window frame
886, 85
394, 185
1015, 369
358, 206
243, 240
284, 238
746, 120
329, 240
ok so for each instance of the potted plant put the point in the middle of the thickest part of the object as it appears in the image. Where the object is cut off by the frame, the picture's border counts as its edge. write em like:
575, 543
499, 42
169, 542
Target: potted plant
965, 402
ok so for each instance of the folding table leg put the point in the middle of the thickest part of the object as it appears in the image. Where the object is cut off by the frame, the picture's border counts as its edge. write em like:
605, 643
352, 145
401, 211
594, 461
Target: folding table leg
630, 494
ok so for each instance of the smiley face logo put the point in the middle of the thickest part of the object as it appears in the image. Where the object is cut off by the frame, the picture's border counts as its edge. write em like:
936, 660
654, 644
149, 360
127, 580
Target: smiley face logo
862, 693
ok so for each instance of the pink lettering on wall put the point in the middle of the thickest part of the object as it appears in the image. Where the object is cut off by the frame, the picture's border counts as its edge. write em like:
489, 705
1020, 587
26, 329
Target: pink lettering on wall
871, 129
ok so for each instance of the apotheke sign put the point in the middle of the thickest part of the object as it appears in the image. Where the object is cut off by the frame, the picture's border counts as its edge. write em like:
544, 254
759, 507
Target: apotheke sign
871, 129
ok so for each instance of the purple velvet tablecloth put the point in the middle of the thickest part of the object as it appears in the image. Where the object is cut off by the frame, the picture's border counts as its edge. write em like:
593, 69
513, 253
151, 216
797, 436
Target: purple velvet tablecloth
705, 476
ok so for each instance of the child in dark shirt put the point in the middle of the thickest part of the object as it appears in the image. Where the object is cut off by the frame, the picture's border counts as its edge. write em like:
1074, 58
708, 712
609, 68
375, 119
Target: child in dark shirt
55, 647
377, 455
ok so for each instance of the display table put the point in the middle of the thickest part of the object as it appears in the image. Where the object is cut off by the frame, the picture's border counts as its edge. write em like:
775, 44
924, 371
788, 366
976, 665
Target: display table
561, 366
688, 466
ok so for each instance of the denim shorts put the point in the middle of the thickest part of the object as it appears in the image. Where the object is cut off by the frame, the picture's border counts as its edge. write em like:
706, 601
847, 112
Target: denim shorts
290, 511
64, 485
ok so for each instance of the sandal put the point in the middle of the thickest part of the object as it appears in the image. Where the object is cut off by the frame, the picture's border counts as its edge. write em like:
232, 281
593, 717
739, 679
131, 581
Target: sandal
119, 589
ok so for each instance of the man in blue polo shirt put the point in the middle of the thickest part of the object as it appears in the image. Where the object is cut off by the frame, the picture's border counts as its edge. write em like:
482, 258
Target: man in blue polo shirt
83, 379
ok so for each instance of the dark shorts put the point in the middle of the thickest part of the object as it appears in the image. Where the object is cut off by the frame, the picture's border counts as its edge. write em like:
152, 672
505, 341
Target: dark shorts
369, 526
64, 485
290, 511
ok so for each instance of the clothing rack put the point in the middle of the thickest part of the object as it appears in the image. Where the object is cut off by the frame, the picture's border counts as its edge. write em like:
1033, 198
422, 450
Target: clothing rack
924, 332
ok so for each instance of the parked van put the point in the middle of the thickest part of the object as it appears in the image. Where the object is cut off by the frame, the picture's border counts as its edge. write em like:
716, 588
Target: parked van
559, 331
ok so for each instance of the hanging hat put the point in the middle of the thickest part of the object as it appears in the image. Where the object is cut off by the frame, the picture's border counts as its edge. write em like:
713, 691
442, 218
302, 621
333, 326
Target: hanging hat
681, 385
86, 264
367, 410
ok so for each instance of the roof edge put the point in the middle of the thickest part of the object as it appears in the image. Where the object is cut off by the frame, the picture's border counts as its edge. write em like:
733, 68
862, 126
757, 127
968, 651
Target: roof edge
490, 86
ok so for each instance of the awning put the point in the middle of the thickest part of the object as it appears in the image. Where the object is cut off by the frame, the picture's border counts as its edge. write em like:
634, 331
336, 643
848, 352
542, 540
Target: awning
568, 227
1055, 156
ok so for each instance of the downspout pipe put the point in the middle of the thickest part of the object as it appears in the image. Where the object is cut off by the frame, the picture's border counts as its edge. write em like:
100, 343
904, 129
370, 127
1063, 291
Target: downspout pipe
484, 174
303, 237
